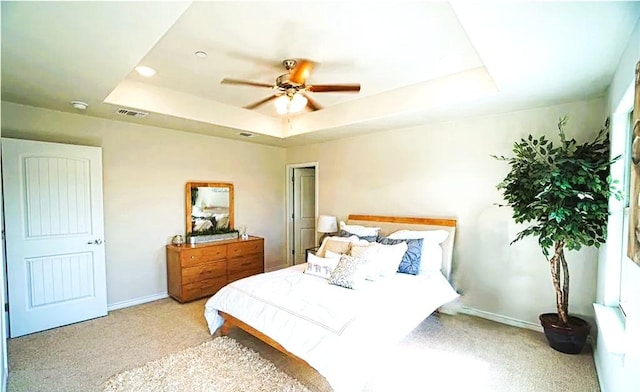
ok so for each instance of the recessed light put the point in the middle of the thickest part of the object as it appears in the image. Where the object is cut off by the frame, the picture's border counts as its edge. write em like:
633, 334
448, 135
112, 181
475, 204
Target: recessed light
79, 105
145, 71
200, 54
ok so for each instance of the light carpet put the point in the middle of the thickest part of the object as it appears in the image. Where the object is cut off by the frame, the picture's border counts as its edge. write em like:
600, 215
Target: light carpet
220, 365
444, 353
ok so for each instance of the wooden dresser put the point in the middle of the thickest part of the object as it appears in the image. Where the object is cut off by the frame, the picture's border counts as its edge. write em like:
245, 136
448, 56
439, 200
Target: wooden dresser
196, 271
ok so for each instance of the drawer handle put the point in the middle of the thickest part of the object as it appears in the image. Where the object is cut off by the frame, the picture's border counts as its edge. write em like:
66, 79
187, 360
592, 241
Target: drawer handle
193, 257
246, 264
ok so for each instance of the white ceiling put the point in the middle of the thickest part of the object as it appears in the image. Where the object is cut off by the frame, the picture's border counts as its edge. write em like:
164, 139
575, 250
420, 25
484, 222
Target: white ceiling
416, 61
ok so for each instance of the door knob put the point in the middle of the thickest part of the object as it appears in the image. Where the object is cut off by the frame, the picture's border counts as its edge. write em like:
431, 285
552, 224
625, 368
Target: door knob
95, 242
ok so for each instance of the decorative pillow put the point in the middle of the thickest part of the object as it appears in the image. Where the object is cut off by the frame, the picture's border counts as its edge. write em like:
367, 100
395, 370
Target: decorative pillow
369, 238
389, 258
410, 263
336, 244
431, 259
332, 255
360, 231
369, 253
319, 266
350, 272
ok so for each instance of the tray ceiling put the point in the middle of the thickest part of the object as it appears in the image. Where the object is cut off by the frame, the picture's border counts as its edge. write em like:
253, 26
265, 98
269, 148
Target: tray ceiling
416, 61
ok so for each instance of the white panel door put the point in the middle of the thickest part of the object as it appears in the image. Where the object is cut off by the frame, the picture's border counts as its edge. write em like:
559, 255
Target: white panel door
304, 212
54, 234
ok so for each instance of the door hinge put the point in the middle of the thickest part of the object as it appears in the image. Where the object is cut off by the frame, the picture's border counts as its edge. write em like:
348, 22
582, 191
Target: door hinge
6, 307
293, 251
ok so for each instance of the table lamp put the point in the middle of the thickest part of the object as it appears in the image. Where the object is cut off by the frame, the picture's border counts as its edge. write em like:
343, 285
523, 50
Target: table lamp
326, 224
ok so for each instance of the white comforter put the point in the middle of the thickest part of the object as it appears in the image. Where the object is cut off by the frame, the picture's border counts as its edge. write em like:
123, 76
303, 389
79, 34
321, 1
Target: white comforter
333, 328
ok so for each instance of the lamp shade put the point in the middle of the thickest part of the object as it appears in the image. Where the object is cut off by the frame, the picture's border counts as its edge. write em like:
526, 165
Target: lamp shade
327, 224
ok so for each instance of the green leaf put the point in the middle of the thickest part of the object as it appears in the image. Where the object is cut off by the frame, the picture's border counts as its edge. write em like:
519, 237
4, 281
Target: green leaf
562, 192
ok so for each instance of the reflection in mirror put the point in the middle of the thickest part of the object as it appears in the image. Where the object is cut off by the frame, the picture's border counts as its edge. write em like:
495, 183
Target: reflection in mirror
209, 208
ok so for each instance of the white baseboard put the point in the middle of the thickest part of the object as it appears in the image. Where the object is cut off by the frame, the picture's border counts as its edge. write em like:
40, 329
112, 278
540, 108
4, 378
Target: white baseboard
509, 321
136, 301
500, 318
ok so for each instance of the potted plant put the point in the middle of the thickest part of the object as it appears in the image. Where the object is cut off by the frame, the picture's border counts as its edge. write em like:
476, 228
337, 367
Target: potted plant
563, 192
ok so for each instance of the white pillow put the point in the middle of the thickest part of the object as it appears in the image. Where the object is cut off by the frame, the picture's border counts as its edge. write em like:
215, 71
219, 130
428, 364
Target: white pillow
320, 266
362, 231
368, 253
431, 257
389, 257
332, 255
437, 236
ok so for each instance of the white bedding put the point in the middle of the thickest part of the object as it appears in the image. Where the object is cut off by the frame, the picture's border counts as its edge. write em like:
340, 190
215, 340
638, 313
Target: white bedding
332, 328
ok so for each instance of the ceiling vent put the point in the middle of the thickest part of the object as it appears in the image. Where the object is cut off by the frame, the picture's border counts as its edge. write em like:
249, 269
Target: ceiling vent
246, 134
131, 113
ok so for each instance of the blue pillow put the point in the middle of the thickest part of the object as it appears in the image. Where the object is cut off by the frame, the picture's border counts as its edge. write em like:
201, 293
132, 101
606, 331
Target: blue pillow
410, 263
370, 238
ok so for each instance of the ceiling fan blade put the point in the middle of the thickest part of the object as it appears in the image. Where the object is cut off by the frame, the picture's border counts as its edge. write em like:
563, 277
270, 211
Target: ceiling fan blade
311, 103
301, 72
245, 83
327, 88
261, 102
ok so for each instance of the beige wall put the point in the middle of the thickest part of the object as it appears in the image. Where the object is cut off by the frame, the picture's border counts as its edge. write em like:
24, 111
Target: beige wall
446, 170
436, 170
145, 170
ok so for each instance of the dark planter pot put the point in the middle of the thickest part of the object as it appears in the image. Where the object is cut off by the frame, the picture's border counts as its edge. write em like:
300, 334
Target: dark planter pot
568, 339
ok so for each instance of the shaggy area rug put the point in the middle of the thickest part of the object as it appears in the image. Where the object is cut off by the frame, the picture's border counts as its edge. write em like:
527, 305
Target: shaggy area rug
220, 365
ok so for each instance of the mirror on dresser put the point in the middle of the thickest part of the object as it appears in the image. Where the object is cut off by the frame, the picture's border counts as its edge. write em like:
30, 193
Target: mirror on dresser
209, 208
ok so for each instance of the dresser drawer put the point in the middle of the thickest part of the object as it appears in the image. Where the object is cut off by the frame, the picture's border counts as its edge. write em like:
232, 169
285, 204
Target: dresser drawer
191, 257
214, 269
243, 248
244, 274
252, 262
198, 271
203, 288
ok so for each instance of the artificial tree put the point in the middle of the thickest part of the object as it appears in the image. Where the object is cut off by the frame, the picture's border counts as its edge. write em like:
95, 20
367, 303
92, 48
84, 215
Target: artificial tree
563, 192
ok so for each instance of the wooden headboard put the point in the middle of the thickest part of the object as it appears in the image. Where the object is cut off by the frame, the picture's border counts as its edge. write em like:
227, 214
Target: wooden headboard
389, 224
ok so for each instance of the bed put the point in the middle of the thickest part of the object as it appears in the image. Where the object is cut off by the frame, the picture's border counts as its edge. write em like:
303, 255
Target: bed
331, 328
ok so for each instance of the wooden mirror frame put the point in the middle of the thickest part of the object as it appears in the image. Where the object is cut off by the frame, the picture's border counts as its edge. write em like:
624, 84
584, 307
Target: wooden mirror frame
188, 206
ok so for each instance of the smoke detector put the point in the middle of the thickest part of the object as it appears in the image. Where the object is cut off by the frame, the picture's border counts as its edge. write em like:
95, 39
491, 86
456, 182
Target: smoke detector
79, 105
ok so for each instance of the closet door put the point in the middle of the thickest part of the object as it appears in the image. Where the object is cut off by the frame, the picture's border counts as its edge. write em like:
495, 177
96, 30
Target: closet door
54, 234
304, 212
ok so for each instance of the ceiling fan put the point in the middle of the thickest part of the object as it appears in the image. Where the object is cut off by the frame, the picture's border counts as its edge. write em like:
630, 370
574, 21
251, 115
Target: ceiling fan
291, 88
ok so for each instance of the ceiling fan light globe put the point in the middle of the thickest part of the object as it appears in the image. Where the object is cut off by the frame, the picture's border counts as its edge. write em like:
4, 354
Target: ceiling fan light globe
282, 104
298, 102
